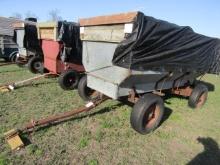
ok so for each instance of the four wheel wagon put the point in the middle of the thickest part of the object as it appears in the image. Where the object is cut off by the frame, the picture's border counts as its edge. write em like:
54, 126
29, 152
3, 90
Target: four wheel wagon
126, 56
8, 49
141, 58
62, 49
25, 35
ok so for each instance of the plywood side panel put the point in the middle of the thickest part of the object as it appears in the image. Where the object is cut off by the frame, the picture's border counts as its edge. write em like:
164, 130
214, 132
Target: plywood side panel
47, 30
113, 33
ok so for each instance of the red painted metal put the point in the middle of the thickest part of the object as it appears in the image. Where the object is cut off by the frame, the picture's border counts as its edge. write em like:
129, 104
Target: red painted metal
51, 50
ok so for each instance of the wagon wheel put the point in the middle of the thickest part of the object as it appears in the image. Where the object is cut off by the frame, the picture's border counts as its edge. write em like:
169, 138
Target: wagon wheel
198, 97
35, 65
86, 93
147, 113
68, 80
12, 56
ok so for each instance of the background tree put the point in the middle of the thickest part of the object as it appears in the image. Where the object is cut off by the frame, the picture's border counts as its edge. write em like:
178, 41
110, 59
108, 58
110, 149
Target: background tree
54, 15
30, 14
17, 15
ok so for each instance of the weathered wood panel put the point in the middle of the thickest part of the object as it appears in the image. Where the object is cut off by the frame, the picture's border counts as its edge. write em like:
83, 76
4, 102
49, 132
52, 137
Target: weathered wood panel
18, 25
111, 33
47, 30
110, 19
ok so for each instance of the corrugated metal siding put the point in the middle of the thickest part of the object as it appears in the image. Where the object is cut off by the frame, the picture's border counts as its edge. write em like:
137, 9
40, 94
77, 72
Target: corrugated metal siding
6, 26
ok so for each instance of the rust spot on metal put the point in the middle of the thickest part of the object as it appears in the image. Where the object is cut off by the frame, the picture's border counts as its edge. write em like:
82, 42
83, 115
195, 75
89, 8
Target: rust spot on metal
132, 97
153, 116
202, 100
184, 91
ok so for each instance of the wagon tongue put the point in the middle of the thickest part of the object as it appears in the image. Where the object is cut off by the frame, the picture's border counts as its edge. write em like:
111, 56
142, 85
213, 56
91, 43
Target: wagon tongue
13, 85
13, 136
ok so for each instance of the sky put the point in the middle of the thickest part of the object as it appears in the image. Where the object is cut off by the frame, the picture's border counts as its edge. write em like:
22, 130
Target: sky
202, 15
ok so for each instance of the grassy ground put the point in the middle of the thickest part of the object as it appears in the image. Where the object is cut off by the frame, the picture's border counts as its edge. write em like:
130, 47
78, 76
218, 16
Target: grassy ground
104, 136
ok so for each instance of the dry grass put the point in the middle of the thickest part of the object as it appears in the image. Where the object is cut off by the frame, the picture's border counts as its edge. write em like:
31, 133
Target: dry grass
104, 136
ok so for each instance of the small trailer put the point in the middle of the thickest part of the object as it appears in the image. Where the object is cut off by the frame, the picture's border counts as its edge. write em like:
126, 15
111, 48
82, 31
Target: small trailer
29, 47
141, 58
8, 48
62, 49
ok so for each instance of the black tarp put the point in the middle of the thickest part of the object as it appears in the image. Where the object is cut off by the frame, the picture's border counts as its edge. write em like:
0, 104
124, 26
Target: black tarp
30, 38
69, 35
30, 41
156, 44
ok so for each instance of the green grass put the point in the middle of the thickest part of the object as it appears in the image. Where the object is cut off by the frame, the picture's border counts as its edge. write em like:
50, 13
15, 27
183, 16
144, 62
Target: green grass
103, 136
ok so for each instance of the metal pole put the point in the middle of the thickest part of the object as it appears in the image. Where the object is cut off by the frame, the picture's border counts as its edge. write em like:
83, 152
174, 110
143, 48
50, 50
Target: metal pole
61, 117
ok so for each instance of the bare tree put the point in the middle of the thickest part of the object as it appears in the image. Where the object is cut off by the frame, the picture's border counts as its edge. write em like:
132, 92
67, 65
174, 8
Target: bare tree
54, 15
17, 15
30, 14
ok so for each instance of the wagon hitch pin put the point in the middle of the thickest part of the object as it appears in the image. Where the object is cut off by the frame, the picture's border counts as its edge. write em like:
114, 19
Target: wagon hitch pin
13, 137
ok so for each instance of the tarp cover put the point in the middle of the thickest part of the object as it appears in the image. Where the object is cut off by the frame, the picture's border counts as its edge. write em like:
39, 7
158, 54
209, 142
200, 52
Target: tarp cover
30, 40
156, 44
30, 37
69, 34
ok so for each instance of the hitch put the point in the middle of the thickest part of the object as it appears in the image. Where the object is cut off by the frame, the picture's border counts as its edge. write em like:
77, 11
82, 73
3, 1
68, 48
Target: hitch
12, 86
13, 136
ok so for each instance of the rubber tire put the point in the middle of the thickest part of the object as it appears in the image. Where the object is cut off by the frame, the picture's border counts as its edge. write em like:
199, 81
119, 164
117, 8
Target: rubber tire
63, 79
13, 58
140, 111
83, 90
31, 63
196, 94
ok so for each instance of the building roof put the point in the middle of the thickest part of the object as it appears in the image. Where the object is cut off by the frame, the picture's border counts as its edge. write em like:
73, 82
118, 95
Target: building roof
6, 25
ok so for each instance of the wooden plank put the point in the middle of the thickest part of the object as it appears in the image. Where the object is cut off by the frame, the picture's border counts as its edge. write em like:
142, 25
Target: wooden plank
47, 24
110, 33
110, 19
46, 33
47, 30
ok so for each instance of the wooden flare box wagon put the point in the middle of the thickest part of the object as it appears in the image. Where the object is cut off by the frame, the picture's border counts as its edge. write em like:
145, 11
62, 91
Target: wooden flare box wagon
104, 35
8, 48
25, 35
61, 47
